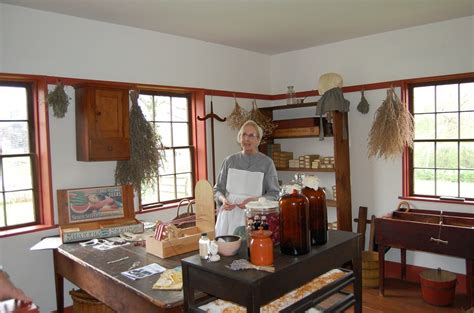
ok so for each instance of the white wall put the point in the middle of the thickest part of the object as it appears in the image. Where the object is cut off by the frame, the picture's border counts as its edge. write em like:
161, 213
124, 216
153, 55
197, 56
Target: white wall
408, 53
36, 42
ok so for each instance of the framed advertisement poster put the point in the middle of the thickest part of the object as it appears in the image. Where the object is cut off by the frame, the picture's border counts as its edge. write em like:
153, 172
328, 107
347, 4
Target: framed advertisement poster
92, 204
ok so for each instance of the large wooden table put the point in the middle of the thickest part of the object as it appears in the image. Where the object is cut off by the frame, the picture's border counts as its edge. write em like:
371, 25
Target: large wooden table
87, 268
421, 230
252, 289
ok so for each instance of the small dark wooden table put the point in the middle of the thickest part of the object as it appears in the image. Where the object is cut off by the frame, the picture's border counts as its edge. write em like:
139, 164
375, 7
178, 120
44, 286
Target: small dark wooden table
87, 268
421, 230
254, 289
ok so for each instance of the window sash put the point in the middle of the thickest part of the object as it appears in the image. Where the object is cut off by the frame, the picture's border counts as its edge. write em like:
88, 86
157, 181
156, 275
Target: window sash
440, 172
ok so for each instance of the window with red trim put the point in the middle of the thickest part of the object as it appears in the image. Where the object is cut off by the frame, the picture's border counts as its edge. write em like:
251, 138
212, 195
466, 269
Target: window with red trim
170, 114
441, 164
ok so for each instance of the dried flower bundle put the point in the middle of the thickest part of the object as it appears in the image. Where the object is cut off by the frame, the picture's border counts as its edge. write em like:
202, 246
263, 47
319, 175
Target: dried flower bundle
265, 122
238, 117
392, 128
146, 150
58, 100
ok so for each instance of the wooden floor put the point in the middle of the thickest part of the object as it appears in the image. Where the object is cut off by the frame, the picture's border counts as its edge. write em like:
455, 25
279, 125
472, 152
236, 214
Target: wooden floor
404, 297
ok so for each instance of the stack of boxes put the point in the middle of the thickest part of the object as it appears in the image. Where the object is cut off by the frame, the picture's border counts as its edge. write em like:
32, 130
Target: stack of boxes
269, 148
305, 160
327, 162
282, 158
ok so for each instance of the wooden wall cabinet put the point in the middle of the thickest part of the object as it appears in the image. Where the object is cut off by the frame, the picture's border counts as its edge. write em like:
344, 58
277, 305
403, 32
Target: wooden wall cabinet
102, 123
343, 203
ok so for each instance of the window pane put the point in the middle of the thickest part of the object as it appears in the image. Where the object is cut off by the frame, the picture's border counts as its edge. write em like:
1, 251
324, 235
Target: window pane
183, 160
20, 207
13, 103
164, 130
423, 154
150, 193
163, 108
425, 126
467, 125
168, 163
447, 183
184, 185
447, 155
14, 138
17, 173
424, 99
467, 184
447, 126
447, 98
180, 109
467, 156
424, 181
180, 134
167, 188
146, 104
467, 96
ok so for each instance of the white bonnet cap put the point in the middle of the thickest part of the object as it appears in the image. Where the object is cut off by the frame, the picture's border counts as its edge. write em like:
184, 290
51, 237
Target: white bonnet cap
329, 81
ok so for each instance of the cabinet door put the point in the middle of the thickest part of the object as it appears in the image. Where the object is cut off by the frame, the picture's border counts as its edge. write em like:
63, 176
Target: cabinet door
109, 110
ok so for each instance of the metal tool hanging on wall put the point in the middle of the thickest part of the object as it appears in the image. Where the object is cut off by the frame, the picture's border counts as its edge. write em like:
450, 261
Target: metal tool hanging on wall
212, 116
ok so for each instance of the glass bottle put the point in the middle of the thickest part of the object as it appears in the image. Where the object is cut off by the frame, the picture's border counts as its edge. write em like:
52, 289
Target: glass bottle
318, 216
290, 95
294, 220
204, 246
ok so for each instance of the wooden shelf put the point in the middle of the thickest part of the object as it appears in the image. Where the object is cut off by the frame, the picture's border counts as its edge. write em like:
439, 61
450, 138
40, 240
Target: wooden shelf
330, 170
290, 106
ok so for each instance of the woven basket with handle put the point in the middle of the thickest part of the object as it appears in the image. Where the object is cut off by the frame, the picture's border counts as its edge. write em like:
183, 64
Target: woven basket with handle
85, 303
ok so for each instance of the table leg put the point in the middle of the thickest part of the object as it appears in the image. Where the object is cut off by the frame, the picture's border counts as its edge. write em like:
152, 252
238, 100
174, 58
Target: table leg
470, 282
381, 269
403, 265
188, 292
59, 284
357, 270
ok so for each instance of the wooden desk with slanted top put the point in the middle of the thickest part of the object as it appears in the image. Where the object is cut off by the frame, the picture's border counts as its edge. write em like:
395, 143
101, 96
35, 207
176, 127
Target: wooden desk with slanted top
441, 232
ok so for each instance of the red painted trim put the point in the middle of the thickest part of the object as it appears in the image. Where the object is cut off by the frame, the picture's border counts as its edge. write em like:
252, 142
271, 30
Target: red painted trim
199, 138
25, 230
392, 270
224, 93
435, 200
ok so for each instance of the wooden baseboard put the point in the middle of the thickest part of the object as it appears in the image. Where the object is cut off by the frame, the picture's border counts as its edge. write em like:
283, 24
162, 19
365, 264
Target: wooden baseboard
392, 270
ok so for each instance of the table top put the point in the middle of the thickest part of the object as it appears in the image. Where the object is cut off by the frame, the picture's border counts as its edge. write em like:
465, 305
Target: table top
96, 260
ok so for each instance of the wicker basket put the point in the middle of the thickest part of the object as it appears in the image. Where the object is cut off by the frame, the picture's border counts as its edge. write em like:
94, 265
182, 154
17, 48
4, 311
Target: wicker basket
85, 303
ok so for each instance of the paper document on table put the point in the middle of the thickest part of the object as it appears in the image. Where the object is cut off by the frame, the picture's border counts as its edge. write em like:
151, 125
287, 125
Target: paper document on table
144, 271
48, 243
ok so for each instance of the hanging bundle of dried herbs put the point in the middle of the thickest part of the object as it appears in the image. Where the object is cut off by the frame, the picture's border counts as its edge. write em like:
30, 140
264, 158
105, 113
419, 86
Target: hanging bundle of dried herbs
265, 122
238, 117
146, 151
58, 100
392, 128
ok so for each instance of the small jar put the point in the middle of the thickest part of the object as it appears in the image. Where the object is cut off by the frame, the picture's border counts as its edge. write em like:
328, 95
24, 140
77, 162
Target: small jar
261, 247
204, 246
294, 220
266, 212
290, 95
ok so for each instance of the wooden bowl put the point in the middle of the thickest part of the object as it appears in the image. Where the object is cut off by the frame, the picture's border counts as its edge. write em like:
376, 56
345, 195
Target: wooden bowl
228, 245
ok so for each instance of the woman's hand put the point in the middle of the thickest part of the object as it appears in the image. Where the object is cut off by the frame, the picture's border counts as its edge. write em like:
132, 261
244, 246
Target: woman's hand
226, 205
243, 203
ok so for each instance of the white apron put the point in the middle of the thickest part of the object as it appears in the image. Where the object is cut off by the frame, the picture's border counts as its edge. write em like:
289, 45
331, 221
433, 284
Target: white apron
240, 186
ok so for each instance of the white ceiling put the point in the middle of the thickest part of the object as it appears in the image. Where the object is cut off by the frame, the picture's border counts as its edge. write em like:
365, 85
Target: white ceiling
264, 26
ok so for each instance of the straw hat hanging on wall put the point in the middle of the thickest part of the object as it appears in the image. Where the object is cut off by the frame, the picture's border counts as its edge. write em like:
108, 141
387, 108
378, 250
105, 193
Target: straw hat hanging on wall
329, 81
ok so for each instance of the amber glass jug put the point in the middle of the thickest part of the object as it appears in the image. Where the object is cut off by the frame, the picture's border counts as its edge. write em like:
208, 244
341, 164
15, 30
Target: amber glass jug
294, 221
318, 216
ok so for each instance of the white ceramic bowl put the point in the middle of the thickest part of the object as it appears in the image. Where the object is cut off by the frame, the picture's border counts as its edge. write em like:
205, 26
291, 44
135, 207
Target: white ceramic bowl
228, 245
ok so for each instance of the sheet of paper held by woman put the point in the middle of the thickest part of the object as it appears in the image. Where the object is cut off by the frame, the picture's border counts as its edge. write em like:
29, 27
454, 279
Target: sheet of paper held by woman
244, 176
